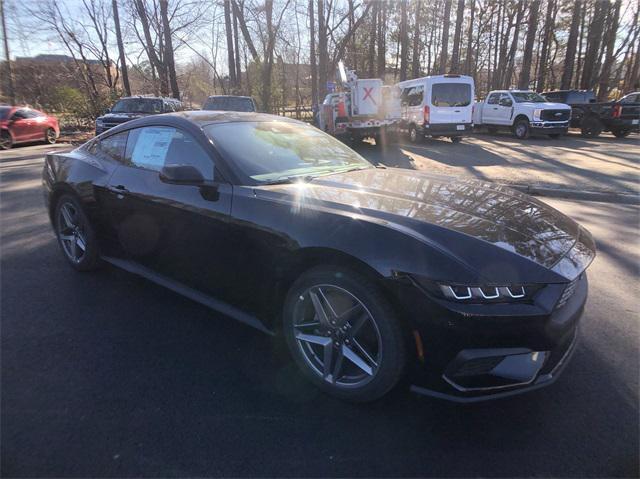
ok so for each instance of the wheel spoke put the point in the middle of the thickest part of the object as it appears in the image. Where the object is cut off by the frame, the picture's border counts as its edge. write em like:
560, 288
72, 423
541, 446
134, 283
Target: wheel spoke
313, 339
307, 325
67, 238
349, 314
81, 243
74, 249
364, 352
332, 314
357, 324
321, 313
357, 360
337, 367
67, 217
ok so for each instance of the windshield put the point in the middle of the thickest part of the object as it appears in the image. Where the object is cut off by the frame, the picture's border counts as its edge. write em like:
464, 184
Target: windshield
4, 112
137, 105
527, 96
280, 150
229, 103
451, 94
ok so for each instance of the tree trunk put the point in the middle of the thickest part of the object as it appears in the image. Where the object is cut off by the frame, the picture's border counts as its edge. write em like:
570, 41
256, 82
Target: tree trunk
469, 56
593, 46
382, 30
267, 66
514, 45
123, 59
10, 89
544, 52
312, 55
150, 48
371, 58
230, 47
168, 49
610, 40
445, 36
404, 40
323, 54
525, 72
415, 58
237, 50
455, 56
570, 54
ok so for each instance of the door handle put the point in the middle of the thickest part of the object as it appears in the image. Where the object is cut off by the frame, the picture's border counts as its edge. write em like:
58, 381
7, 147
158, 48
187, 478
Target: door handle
118, 190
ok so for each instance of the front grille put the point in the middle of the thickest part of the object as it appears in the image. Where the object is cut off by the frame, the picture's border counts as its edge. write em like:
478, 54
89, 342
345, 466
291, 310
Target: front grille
567, 293
555, 115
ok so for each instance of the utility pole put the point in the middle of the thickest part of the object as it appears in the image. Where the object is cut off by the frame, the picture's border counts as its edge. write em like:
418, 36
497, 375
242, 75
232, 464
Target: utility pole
123, 60
11, 91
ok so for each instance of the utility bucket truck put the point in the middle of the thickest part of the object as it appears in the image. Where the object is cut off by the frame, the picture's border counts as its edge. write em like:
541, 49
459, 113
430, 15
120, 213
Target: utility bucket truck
365, 109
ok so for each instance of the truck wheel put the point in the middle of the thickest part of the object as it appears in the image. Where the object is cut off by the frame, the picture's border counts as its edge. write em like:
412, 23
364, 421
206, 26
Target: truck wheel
413, 134
621, 132
591, 127
456, 139
521, 129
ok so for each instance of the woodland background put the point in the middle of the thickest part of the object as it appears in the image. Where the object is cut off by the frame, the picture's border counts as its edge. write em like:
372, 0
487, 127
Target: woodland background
77, 56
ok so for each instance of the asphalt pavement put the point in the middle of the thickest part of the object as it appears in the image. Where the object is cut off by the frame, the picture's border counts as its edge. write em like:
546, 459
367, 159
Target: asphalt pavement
106, 374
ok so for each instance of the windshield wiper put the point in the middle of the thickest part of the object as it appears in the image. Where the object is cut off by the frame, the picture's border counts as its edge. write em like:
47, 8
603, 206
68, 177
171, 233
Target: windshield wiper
283, 180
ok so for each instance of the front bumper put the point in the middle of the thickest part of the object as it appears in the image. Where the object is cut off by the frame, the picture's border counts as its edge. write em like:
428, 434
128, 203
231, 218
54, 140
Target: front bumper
550, 127
470, 357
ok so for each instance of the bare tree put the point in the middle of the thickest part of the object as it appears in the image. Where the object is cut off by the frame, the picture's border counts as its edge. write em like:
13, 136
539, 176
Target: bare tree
527, 56
445, 36
10, 88
230, 45
455, 56
610, 42
570, 54
121, 54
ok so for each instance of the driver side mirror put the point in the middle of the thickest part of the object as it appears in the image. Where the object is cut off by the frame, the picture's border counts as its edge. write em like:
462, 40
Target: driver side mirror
505, 102
181, 174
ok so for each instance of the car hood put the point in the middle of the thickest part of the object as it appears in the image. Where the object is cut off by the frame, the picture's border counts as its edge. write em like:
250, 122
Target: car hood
546, 105
427, 204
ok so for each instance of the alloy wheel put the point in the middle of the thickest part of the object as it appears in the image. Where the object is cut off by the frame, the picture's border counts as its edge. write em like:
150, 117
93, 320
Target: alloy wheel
50, 136
71, 232
5, 141
337, 336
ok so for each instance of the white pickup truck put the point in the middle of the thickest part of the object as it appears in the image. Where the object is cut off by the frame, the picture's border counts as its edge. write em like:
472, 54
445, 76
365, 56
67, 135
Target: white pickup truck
524, 112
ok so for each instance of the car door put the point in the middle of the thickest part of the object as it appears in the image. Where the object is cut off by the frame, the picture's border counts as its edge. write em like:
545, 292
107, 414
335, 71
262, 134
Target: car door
179, 230
490, 110
20, 125
505, 110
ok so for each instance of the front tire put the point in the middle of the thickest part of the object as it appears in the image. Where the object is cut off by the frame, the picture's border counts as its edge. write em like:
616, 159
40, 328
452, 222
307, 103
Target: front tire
521, 129
413, 134
75, 235
343, 335
50, 136
456, 139
591, 127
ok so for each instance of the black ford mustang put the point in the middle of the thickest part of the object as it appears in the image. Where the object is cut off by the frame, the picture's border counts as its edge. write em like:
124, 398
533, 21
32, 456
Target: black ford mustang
469, 289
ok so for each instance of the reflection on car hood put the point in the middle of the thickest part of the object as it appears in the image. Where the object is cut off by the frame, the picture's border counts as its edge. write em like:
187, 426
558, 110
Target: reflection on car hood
546, 105
121, 117
496, 214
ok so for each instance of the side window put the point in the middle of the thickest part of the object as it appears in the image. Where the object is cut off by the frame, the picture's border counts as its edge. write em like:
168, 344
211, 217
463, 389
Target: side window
404, 96
154, 147
19, 114
111, 148
505, 100
493, 99
416, 96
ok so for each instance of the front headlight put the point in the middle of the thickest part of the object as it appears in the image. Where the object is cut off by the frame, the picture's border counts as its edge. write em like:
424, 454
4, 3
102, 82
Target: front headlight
478, 293
537, 113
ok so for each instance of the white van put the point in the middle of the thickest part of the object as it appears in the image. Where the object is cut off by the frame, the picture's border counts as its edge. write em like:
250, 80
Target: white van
440, 105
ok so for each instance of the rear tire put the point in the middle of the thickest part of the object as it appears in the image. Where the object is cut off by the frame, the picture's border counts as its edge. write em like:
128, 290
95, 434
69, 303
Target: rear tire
413, 134
343, 335
591, 127
456, 139
6, 142
75, 235
621, 132
521, 129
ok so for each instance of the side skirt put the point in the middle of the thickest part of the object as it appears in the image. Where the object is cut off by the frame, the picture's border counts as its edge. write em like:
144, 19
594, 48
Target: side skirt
195, 295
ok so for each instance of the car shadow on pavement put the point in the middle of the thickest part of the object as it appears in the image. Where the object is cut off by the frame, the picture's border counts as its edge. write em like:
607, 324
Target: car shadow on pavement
388, 154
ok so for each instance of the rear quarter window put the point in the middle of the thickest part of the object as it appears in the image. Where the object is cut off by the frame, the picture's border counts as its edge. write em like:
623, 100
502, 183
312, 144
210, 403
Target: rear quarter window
451, 94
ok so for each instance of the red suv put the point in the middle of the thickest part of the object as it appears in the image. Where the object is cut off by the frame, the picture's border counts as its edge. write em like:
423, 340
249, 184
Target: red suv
21, 124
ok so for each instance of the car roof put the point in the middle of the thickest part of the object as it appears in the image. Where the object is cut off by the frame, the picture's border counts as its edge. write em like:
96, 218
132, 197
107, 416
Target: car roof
199, 119
230, 96
144, 97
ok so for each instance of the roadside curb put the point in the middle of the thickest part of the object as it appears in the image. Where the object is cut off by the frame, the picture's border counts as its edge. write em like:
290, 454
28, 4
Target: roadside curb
603, 196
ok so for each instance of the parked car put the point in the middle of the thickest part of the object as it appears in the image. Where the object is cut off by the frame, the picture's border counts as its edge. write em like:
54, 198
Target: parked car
523, 112
230, 103
20, 124
130, 108
619, 117
435, 106
472, 289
